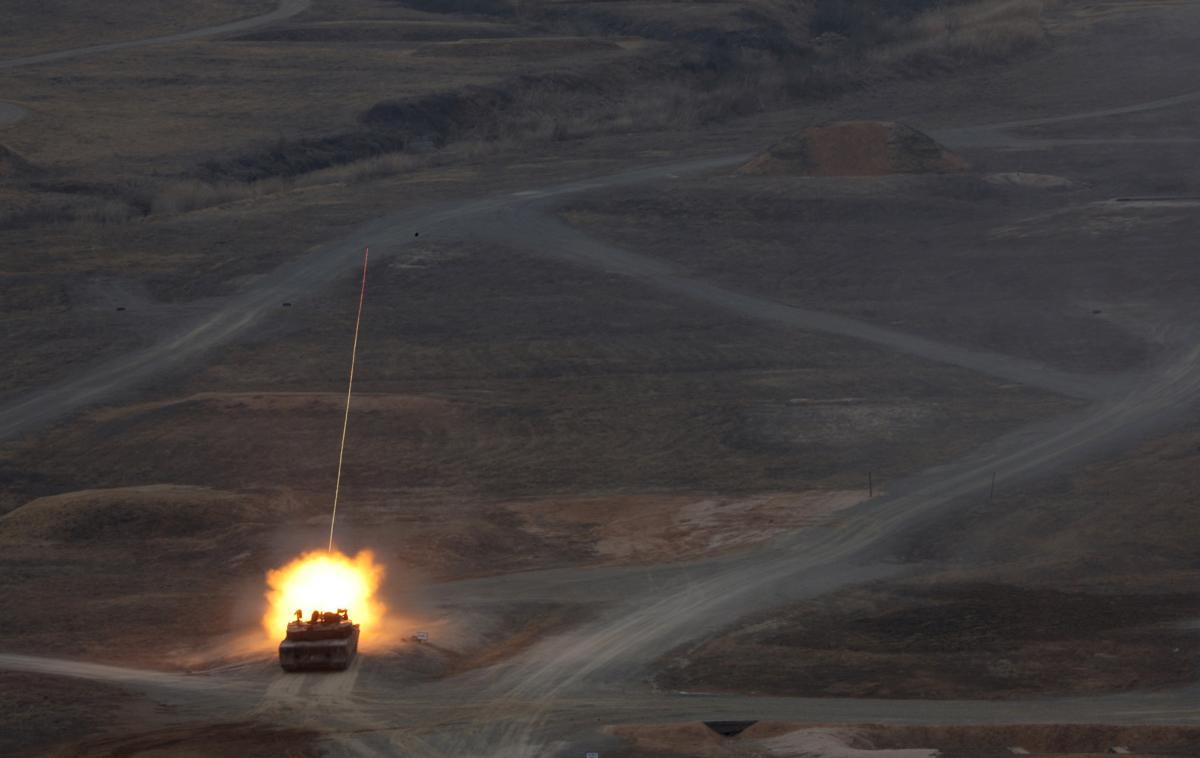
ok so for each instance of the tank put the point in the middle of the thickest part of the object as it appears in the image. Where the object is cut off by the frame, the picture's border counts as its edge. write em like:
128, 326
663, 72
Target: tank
328, 641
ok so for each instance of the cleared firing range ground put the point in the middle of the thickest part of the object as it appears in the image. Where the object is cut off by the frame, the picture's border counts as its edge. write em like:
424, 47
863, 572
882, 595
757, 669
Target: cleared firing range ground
524, 413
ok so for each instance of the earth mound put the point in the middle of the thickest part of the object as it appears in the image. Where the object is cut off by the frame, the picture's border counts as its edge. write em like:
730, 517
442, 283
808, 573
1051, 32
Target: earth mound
855, 148
129, 513
12, 164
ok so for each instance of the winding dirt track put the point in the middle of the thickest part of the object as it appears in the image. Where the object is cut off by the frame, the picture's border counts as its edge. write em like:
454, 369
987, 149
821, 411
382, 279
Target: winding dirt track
522, 219
538, 699
556, 692
11, 113
285, 10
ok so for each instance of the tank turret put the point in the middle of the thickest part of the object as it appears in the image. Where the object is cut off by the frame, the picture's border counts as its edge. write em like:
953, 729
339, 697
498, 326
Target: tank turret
327, 641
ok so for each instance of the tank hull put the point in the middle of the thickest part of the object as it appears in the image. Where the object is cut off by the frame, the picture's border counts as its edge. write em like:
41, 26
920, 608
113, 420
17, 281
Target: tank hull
319, 655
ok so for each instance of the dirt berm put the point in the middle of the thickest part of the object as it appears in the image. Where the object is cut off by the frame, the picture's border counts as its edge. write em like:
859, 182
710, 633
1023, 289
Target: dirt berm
131, 513
855, 148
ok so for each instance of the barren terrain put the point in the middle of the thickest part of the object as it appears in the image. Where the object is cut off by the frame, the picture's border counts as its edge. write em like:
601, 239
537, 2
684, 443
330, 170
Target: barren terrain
644, 439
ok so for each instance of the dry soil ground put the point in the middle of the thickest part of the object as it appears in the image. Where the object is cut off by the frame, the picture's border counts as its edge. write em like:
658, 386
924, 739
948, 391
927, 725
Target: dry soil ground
512, 413
782, 739
1098, 575
41, 27
518, 413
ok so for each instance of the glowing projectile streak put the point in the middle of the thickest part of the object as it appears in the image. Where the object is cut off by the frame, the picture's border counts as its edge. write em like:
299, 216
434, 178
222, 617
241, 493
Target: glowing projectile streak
337, 487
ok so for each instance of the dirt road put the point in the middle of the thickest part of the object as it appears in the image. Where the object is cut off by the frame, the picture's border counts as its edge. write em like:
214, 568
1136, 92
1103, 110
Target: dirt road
531, 702
369, 712
523, 219
552, 697
11, 113
286, 9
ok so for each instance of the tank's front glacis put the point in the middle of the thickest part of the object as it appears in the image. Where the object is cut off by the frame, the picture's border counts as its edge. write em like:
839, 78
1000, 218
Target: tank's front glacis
319, 646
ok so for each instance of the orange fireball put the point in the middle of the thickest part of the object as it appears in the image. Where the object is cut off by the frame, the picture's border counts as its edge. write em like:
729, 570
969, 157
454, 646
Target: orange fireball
321, 581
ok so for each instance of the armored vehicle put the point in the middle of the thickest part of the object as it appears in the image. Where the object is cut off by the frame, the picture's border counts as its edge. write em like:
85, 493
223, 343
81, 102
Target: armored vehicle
326, 642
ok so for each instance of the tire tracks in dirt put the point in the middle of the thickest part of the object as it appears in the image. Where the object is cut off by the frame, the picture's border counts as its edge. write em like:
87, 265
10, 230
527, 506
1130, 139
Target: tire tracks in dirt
692, 598
285, 10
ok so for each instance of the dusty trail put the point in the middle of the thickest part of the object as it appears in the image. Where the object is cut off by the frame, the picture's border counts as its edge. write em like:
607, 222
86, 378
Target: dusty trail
999, 135
105, 673
11, 113
522, 702
618, 647
565, 685
521, 699
815, 561
511, 219
286, 9
190, 697
532, 221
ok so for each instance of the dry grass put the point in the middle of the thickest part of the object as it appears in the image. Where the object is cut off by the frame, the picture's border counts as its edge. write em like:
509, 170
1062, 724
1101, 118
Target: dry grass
31, 208
855, 235
1118, 523
682, 86
24, 209
535, 117
517, 47
189, 195
37, 26
41, 711
377, 167
947, 640
704, 90
980, 31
